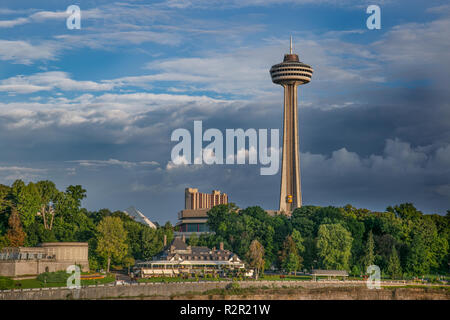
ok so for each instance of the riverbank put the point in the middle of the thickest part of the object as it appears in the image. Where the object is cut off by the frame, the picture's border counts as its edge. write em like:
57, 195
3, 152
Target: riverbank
290, 290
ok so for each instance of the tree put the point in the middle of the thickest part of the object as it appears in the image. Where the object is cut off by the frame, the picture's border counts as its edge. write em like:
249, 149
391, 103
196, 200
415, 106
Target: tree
383, 249
298, 239
77, 193
369, 257
128, 261
193, 240
255, 257
405, 211
292, 263
290, 259
150, 243
3, 242
45, 213
111, 240
15, 233
27, 200
427, 249
394, 268
168, 231
5, 204
334, 245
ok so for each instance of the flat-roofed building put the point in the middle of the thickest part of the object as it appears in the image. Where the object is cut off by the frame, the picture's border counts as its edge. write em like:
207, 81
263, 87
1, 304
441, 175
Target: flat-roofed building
47, 257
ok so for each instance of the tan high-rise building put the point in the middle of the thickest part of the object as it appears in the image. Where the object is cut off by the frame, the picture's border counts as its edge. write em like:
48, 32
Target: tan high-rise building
196, 200
194, 217
290, 74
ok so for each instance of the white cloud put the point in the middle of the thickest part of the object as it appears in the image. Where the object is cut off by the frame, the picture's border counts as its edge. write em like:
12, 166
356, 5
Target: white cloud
23, 52
113, 162
47, 81
179, 161
21, 169
42, 16
120, 113
12, 23
399, 159
12, 173
183, 4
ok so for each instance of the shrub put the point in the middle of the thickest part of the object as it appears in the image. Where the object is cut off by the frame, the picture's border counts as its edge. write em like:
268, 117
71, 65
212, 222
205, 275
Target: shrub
53, 277
232, 286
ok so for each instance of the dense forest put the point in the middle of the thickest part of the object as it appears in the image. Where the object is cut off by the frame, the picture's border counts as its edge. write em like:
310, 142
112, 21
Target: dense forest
38, 212
402, 241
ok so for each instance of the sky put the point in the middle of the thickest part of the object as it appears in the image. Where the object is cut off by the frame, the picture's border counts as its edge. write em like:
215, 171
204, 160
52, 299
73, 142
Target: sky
96, 106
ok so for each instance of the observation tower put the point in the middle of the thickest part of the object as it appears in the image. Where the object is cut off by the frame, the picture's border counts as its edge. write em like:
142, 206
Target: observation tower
290, 74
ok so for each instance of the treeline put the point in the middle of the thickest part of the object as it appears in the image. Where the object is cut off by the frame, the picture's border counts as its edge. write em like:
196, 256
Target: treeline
402, 241
38, 212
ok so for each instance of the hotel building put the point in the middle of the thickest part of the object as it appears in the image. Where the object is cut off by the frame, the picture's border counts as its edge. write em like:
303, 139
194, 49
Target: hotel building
194, 217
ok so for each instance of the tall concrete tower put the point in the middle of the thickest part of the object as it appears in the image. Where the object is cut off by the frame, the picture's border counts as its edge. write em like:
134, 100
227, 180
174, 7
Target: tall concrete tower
290, 73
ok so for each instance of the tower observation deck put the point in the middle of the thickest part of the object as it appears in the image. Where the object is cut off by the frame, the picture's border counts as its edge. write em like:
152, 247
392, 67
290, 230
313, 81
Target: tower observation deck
290, 73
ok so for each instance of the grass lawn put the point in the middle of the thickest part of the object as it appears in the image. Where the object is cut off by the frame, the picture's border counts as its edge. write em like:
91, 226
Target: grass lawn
285, 278
34, 283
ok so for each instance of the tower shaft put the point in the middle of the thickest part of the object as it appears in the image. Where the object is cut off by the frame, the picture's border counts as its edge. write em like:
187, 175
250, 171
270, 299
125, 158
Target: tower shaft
290, 74
290, 190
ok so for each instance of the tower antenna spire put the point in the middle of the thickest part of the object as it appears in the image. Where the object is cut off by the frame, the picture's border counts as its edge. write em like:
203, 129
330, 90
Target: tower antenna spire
290, 51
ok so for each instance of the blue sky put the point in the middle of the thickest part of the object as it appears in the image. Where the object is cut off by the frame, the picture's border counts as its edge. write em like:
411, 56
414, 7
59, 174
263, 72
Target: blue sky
96, 106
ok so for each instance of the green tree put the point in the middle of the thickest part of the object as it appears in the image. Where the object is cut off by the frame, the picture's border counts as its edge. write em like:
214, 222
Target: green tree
405, 211
298, 240
426, 248
134, 237
334, 245
255, 257
111, 240
369, 257
193, 240
151, 244
77, 193
27, 199
292, 263
302, 219
128, 261
3, 242
383, 249
5, 205
167, 230
394, 268
290, 259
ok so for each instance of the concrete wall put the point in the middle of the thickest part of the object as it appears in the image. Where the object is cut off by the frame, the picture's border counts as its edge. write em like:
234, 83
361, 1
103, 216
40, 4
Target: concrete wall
7, 268
34, 267
63, 251
319, 290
